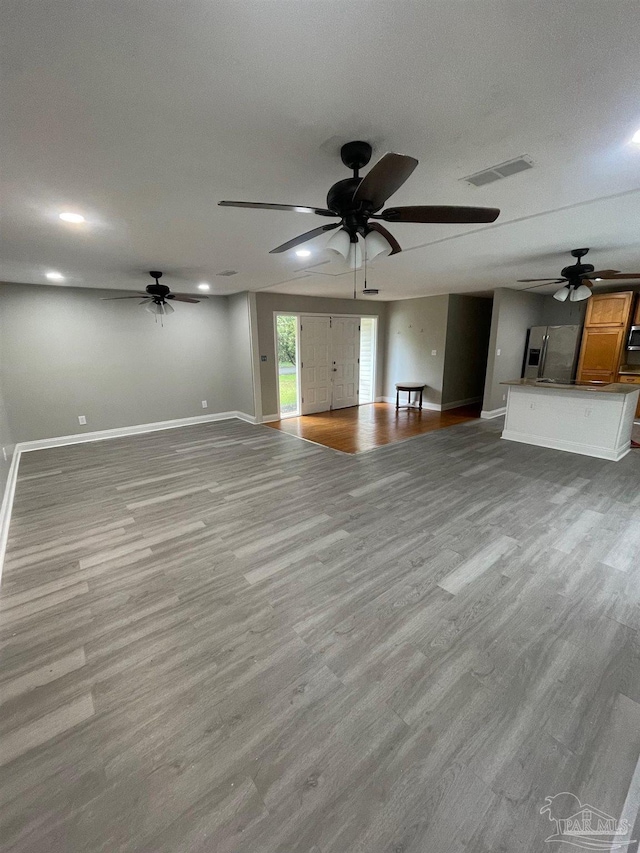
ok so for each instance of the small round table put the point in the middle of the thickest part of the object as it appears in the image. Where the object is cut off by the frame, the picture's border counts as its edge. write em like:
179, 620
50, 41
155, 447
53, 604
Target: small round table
410, 387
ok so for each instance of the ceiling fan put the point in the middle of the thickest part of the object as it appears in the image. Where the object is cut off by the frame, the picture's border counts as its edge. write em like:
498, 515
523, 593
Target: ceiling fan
357, 202
577, 279
156, 295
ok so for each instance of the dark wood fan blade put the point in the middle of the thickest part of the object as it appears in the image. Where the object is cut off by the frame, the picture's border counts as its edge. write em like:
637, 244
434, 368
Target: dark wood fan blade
600, 274
618, 277
182, 297
309, 235
395, 246
295, 208
380, 182
544, 284
523, 280
108, 298
440, 214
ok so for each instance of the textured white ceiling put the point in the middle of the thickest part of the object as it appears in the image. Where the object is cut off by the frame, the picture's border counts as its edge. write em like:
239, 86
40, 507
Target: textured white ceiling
143, 115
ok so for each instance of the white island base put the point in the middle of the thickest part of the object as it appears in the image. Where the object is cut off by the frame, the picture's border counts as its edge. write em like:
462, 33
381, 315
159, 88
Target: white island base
591, 420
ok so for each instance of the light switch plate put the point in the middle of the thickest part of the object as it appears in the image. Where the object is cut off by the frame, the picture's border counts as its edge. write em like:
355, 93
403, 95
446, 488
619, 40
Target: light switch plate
204, 404
434, 352
82, 419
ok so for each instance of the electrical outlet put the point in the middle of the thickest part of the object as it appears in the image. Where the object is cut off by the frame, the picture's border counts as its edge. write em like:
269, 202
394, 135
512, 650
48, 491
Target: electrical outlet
82, 419
498, 352
434, 352
204, 404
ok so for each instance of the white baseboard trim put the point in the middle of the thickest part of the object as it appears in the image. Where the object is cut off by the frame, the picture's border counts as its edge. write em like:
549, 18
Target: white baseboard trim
468, 402
121, 432
493, 413
7, 504
570, 446
269, 419
433, 407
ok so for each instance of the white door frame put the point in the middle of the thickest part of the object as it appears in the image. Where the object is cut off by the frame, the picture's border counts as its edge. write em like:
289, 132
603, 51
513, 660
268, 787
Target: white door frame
297, 315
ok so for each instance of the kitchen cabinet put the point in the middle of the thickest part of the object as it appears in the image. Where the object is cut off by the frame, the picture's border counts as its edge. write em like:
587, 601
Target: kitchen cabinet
609, 309
600, 353
627, 379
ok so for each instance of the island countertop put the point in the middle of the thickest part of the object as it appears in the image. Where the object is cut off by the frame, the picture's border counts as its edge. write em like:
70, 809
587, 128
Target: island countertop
609, 388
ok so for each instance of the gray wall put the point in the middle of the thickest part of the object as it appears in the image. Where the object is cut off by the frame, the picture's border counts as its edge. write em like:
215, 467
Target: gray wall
415, 327
513, 313
6, 444
267, 303
567, 313
467, 344
241, 362
64, 353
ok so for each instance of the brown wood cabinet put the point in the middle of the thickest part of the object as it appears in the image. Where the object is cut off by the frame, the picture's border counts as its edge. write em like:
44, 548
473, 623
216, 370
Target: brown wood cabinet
604, 336
600, 354
609, 309
636, 316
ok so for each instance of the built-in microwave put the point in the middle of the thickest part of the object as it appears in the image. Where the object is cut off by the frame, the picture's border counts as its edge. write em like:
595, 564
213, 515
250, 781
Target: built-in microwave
634, 338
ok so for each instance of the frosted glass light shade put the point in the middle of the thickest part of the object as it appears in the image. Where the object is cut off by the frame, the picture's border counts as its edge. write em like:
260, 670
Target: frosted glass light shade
354, 258
340, 243
580, 293
562, 294
375, 244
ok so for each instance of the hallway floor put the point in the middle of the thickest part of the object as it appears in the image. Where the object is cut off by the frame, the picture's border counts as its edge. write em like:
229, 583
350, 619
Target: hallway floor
365, 427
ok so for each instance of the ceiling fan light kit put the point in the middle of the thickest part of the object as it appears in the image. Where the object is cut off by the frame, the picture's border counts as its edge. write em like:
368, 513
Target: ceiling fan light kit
357, 202
155, 297
576, 279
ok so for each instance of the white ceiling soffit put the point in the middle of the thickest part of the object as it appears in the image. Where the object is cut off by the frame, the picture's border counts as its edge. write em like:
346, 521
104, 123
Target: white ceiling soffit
142, 116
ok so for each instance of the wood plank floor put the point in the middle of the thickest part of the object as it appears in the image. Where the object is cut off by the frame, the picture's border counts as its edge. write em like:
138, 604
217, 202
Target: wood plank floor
365, 427
220, 639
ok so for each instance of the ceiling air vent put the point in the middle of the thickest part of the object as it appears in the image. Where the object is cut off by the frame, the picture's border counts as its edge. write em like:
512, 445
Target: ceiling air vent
496, 173
228, 272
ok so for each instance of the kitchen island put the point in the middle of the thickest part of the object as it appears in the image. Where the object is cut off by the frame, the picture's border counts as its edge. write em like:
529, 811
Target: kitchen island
591, 419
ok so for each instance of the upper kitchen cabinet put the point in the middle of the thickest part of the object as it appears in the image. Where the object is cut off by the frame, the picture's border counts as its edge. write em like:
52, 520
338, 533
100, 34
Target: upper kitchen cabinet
600, 354
609, 309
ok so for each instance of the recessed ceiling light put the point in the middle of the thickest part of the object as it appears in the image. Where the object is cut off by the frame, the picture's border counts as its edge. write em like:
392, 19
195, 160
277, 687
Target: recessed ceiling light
54, 276
636, 138
303, 253
72, 217
203, 286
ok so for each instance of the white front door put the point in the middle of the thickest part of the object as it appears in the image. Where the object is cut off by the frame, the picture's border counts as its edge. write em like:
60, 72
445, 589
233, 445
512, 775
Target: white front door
345, 355
315, 373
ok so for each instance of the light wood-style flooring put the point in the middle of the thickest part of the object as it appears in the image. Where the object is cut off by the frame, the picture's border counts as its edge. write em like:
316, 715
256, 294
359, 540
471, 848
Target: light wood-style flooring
372, 425
221, 639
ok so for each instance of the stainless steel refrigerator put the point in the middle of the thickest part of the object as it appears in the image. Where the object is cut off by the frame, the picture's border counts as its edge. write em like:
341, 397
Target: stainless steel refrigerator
552, 353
